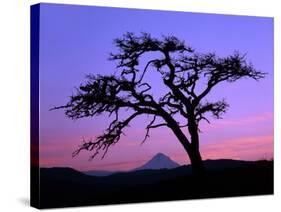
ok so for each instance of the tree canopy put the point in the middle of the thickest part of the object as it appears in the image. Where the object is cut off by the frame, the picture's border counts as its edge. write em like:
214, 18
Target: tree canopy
182, 70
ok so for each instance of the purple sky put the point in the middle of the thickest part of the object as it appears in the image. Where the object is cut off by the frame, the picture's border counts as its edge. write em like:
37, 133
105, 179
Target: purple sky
76, 40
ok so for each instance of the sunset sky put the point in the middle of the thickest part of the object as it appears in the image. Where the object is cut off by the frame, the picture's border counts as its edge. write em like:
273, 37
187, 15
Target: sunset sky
77, 40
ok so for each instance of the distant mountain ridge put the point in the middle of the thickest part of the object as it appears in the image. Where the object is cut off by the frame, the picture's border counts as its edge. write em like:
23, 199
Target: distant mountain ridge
159, 161
66, 173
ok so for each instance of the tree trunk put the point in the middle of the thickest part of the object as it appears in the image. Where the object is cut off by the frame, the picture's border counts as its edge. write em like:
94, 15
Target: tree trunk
192, 148
193, 152
197, 165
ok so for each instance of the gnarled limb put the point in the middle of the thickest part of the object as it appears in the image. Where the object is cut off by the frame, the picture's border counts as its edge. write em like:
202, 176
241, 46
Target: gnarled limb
215, 109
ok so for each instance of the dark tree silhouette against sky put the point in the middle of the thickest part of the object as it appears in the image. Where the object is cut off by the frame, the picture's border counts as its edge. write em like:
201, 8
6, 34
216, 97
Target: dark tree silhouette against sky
187, 75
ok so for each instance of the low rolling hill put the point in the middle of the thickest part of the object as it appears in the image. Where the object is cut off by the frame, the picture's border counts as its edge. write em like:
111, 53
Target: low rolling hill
62, 187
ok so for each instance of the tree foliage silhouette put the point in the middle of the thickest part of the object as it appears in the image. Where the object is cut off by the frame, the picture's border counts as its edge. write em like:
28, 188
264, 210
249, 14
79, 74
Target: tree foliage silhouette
183, 72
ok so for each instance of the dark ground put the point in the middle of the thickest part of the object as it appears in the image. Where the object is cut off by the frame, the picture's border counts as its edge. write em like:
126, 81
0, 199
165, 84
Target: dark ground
65, 187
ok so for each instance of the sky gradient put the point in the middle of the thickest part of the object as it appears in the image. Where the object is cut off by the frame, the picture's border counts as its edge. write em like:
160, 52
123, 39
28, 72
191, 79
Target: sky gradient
77, 40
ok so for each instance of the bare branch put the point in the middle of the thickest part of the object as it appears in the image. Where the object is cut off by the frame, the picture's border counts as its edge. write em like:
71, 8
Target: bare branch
229, 69
109, 138
148, 128
145, 69
216, 109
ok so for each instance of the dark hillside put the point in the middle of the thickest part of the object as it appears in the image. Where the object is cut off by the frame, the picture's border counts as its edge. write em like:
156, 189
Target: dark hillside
62, 187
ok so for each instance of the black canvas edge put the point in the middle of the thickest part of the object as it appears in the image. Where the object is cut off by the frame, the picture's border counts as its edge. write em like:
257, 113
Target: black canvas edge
34, 105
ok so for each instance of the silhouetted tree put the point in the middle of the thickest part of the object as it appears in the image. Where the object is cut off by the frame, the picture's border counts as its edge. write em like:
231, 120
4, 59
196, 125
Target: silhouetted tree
183, 73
